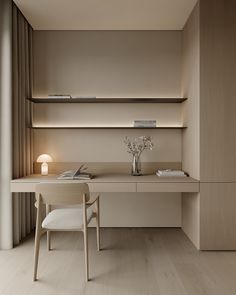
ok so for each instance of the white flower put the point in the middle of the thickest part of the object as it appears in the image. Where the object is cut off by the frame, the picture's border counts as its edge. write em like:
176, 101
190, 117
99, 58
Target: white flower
139, 144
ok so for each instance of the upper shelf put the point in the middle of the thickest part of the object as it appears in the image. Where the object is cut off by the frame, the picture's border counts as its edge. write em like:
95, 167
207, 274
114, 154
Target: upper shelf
106, 127
107, 100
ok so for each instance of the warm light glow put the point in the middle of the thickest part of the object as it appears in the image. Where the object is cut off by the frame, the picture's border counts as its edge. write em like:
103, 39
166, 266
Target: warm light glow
44, 158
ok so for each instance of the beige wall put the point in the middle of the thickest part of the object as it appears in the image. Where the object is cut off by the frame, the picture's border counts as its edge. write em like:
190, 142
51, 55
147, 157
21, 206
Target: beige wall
104, 145
111, 64
141, 210
107, 63
115, 64
106, 114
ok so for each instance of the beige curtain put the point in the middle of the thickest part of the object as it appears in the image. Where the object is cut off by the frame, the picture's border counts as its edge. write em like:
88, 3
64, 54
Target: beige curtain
5, 123
23, 203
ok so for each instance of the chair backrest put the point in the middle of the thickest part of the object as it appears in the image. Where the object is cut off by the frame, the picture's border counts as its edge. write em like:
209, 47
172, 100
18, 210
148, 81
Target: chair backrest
62, 193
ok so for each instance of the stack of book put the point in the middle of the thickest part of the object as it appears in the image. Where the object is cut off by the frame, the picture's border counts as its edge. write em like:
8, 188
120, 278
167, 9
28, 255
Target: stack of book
145, 123
171, 173
59, 96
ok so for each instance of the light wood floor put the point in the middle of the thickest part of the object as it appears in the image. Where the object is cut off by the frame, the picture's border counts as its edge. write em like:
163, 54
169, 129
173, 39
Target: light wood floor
134, 261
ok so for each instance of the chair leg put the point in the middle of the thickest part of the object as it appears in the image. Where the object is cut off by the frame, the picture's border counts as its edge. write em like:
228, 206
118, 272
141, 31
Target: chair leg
86, 255
36, 253
48, 240
85, 232
98, 224
48, 210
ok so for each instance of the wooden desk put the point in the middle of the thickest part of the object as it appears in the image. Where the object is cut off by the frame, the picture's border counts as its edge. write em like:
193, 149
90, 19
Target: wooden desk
120, 183
114, 183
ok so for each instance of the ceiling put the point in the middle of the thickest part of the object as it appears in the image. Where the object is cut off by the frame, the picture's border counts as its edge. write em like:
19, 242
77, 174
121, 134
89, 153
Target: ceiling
106, 14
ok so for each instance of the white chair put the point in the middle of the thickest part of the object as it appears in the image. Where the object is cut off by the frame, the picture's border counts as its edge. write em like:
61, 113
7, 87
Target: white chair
65, 219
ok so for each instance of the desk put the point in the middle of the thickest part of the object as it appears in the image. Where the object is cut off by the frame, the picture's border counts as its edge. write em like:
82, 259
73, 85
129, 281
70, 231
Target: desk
123, 183
116, 183
208, 222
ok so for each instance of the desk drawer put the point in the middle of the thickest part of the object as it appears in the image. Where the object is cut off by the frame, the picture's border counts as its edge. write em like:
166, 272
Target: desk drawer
23, 187
168, 187
112, 187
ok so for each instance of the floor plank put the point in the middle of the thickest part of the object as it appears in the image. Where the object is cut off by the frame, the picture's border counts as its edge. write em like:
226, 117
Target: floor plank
132, 262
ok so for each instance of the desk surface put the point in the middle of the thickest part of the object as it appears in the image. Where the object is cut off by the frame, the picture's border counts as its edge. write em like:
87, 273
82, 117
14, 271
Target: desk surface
108, 178
115, 183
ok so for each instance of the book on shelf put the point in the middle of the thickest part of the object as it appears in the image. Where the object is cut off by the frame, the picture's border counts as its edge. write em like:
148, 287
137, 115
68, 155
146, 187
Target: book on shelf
85, 97
59, 96
145, 123
171, 173
78, 174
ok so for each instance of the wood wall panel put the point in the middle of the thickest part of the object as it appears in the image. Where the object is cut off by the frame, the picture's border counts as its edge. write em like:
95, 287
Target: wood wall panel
218, 89
218, 218
191, 89
209, 218
191, 217
191, 117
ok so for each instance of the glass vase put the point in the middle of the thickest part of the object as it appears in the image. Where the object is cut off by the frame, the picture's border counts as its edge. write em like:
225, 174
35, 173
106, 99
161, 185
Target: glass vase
136, 166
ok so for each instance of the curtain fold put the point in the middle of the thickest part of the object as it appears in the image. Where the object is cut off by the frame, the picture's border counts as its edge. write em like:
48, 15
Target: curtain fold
23, 203
5, 123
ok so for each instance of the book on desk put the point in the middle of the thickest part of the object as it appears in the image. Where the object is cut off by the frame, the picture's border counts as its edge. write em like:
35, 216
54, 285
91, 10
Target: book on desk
78, 174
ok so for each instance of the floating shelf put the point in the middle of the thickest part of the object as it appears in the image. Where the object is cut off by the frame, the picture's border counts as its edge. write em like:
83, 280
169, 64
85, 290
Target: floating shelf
107, 100
109, 127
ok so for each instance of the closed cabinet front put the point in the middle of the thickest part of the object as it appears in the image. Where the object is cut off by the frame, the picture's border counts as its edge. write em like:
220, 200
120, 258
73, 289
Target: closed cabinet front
170, 187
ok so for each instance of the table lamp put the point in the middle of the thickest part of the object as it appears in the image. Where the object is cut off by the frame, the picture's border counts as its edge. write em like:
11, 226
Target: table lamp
44, 159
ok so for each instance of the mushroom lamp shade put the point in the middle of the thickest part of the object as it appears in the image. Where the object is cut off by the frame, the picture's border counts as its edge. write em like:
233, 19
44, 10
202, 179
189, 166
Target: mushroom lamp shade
44, 159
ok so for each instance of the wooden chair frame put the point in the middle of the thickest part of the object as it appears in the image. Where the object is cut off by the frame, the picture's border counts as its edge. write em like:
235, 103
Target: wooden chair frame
64, 194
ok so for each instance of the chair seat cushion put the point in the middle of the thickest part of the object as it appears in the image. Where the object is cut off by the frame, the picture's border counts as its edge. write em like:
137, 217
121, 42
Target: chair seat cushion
66, 219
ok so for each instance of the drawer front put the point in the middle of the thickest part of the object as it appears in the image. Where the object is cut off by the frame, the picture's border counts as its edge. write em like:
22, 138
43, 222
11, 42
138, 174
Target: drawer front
112, 187
94, 187
170, 187
24, 187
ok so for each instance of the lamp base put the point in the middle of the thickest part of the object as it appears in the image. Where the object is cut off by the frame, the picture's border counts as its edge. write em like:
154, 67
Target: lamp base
44, 169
